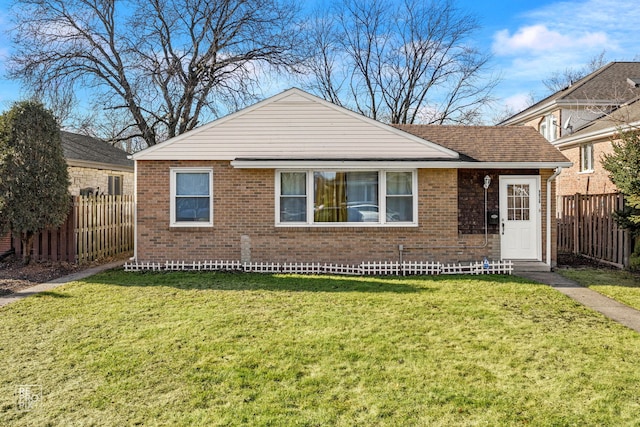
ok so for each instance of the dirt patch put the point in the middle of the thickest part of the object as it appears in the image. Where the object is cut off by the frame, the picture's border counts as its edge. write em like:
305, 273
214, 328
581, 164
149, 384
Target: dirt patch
15, 276
577, 261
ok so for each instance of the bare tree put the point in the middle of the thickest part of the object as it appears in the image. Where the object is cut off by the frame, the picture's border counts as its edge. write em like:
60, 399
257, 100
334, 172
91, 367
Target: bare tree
560, 80
167, 63
401, 63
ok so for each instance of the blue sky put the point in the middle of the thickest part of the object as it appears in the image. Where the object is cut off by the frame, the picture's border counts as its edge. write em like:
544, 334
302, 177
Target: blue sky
528, 40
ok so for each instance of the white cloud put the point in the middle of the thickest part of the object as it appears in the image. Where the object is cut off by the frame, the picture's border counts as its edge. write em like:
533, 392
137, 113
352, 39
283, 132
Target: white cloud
534, 39
517, 102
559, 36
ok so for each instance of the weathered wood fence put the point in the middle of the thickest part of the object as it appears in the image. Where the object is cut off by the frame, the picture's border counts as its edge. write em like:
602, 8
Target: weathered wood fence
96, 227
586, 226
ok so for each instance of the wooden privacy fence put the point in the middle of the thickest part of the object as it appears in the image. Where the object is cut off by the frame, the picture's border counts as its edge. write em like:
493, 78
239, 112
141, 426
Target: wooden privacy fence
96, 227
586, 226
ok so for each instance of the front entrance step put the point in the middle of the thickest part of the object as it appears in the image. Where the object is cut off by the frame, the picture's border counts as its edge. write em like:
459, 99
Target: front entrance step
524, 266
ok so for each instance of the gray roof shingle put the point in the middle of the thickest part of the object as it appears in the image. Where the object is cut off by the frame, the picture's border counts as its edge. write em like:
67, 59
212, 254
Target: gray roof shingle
491, 143
88, 149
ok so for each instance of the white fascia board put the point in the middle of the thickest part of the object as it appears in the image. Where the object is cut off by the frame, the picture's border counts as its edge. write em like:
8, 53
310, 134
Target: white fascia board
541, 110
391, 164
588, 102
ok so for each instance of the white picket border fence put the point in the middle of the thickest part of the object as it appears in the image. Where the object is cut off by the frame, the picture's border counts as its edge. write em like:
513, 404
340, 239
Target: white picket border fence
384, 268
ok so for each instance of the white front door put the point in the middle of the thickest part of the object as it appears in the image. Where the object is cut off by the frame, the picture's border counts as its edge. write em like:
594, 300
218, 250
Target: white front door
520, 217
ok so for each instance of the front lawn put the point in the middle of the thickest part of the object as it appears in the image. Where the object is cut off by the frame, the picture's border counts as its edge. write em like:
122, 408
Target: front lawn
234, 349
622, 286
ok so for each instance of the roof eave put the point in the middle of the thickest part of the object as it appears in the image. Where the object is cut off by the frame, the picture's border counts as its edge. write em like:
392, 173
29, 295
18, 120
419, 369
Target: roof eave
98, 165
555, 104
388, 164
571, 140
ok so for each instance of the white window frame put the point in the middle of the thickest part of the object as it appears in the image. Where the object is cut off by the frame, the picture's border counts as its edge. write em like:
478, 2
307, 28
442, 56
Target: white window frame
587, 158
172, 204
382, 199
548, 127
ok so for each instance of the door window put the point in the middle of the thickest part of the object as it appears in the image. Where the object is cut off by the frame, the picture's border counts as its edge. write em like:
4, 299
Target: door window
518, 202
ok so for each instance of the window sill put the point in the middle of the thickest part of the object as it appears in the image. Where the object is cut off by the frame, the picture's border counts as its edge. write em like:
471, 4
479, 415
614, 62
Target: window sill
345, 227
190, 227
586, 172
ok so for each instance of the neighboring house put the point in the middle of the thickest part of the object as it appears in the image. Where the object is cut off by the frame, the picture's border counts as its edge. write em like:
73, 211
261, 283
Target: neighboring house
96, 166
587, 145
580, 121
297, 179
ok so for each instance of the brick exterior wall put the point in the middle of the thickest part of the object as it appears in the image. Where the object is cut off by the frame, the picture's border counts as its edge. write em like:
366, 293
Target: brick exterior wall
244, 218
572, 181
5, 243
471, 197
97, 178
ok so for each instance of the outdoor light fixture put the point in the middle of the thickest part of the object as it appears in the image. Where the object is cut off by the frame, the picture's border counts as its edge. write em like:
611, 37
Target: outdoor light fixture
487, 182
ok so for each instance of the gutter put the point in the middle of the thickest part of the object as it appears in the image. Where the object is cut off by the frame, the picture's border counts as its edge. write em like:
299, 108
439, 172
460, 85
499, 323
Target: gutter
551, 178
387, 164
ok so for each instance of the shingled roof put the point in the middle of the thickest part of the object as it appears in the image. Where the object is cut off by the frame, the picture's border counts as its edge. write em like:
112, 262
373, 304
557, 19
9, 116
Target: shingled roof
82, 150
490, 143
608, 84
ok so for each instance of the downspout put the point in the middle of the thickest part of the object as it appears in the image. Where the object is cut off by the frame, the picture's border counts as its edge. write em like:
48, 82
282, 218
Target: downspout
135, 211
551, 178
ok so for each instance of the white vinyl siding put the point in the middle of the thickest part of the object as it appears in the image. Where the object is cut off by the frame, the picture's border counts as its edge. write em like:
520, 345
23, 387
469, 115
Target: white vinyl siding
295, 126
321, 197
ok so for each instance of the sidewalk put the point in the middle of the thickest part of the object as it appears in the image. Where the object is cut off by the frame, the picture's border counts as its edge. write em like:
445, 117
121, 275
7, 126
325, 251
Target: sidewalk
627, 316
43, 287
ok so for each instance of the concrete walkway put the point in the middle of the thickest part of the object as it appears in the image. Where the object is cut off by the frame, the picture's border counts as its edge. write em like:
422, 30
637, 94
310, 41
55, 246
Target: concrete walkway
43, 287
629, 317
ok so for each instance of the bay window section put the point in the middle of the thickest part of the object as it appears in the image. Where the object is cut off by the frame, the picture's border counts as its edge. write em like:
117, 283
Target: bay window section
330, 197
191, 197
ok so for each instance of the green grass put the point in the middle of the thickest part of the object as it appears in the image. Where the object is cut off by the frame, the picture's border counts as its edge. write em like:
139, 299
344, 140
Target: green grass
236, 349
622, 286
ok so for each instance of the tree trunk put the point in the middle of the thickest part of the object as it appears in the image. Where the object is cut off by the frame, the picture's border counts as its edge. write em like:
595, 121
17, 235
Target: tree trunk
27, 246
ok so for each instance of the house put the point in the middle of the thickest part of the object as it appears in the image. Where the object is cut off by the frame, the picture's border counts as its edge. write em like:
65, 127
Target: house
297, 179
96, 166
586, 147
580, 121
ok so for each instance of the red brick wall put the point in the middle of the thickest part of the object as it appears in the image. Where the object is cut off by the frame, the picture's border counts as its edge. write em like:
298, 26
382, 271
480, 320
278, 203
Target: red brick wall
244, 205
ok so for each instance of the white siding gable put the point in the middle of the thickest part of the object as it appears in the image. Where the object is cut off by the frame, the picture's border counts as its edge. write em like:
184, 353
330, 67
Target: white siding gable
295, 125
